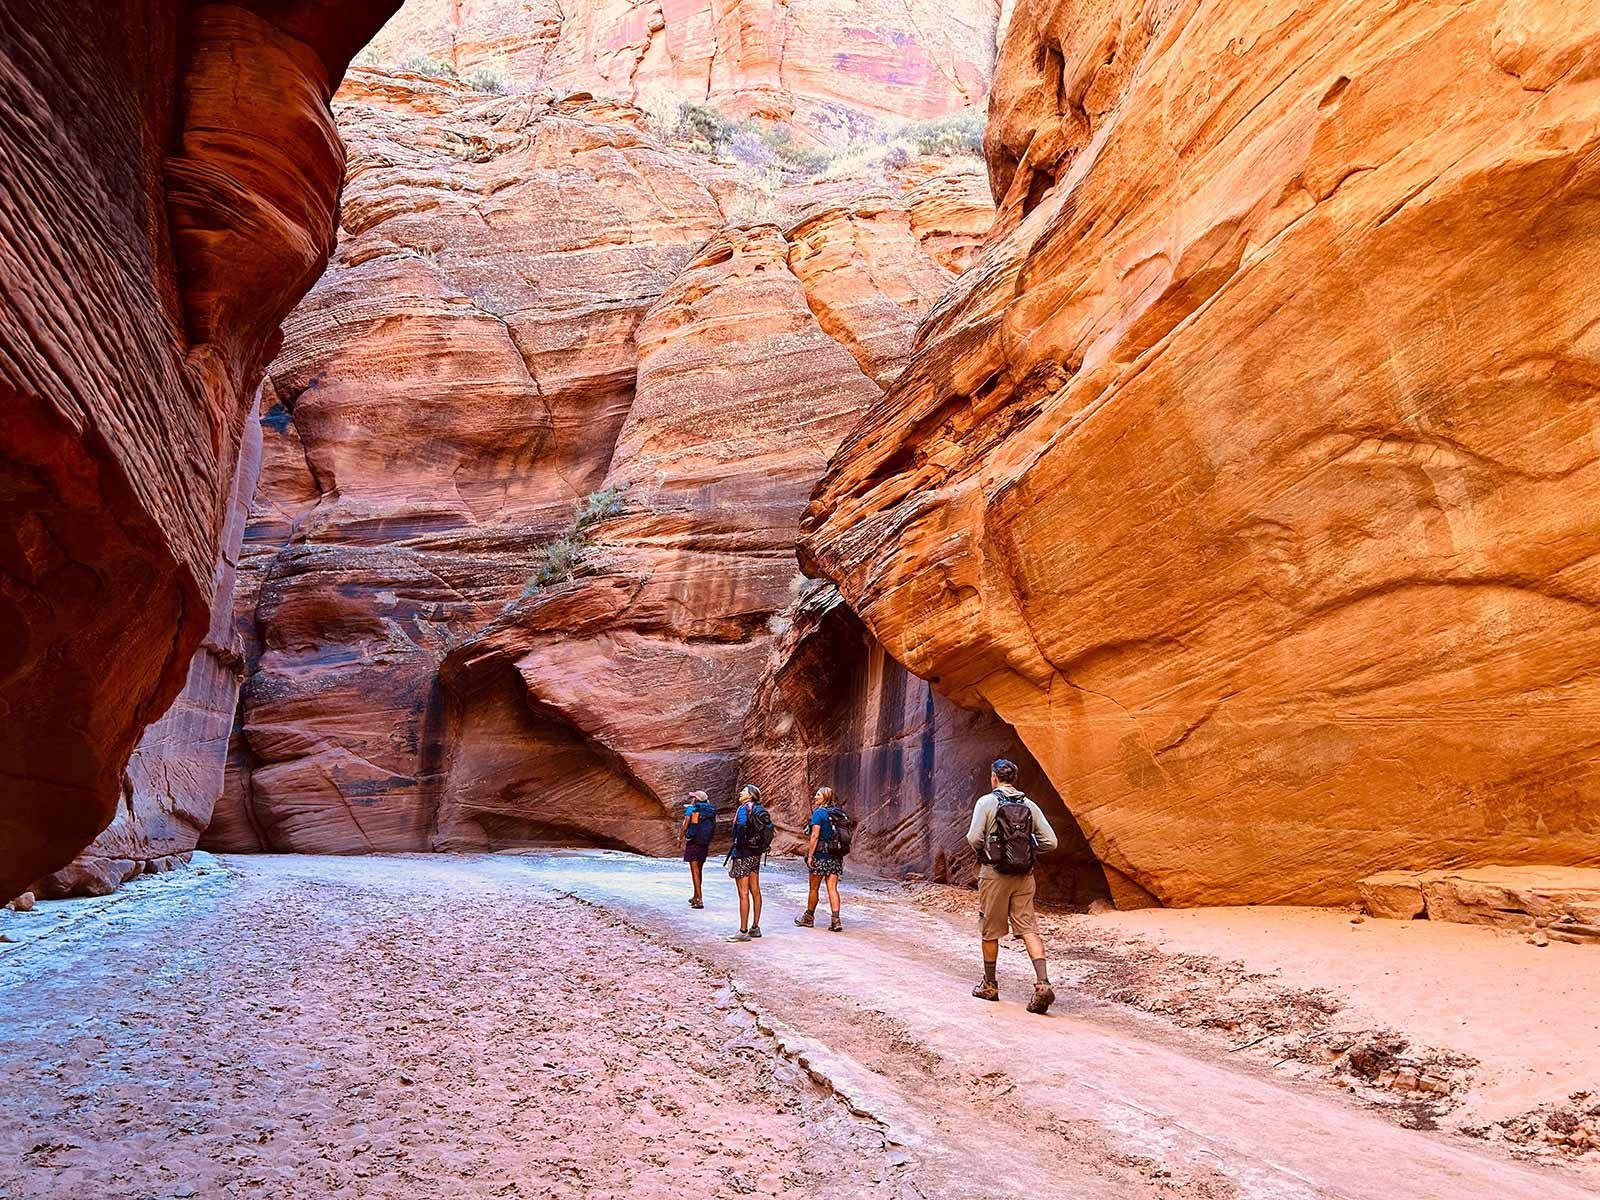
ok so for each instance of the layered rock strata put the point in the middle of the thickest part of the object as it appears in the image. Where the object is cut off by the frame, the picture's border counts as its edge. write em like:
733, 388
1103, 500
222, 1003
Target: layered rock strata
533, 470
1248, 474
1560, 903
171, 178
447, 394
828, 67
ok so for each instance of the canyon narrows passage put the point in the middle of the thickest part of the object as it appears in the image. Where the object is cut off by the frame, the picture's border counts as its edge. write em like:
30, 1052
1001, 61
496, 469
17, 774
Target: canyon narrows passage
1230, 475
460, 430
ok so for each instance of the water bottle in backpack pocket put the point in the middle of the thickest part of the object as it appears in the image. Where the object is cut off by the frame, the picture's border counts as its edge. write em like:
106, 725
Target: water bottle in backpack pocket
702, 823
1010, 847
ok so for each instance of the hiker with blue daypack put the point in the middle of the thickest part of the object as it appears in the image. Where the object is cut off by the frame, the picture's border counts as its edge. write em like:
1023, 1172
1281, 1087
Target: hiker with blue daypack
699, 828
752, 838
832, 830
1009, 831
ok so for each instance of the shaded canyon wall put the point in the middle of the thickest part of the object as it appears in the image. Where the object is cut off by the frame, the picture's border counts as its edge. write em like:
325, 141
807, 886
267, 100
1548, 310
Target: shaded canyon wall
833, 709
176, 772
171, 178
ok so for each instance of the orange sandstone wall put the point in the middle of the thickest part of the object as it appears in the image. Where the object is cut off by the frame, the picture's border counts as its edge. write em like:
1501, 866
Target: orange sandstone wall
1251, 473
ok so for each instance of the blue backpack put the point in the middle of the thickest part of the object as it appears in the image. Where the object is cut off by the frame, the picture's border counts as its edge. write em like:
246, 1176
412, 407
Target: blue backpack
702, 823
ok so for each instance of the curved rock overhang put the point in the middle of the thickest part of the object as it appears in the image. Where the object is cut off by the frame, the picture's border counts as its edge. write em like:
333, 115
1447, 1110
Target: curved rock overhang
171, 190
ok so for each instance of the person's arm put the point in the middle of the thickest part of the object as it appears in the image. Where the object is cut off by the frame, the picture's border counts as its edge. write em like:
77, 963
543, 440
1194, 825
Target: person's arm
978, 831
683, 834
811, 848
1044, 837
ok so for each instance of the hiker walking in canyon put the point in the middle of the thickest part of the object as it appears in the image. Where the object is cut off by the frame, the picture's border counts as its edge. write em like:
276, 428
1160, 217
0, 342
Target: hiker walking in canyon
831, 832
752, 837
699, 829
1008, 831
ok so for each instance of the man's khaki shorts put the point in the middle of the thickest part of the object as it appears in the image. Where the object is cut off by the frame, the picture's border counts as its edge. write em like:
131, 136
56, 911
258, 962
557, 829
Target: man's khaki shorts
1005, 900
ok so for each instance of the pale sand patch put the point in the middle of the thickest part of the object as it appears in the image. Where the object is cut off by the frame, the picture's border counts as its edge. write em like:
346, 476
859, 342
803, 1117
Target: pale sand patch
1529, 1015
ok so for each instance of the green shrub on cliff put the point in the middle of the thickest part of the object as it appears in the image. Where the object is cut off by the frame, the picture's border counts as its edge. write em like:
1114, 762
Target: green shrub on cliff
486, 80
421, 64
959, 134
564, 555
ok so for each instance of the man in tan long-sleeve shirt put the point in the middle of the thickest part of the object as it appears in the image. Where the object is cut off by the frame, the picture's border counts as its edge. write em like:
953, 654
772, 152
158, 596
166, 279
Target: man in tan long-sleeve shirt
1007, 899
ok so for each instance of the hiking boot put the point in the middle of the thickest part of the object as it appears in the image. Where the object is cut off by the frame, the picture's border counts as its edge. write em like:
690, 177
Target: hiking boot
741, 936
1043, 997
834, 926
755, 931
806, 919
697, 904
987, 991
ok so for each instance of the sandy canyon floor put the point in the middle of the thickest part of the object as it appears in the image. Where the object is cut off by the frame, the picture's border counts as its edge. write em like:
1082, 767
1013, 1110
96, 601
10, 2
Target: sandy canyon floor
562, 1025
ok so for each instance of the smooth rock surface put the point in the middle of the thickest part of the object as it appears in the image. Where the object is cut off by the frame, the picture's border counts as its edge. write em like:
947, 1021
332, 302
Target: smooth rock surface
175, 775
1248, 473
169, 194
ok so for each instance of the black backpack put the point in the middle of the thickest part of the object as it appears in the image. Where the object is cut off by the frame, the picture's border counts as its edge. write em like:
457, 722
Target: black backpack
703, 829
755, 835
1010, 848
842, 831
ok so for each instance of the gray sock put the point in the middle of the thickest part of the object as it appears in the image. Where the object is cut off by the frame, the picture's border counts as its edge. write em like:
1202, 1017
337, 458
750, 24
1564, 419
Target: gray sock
1039, 971
988, 971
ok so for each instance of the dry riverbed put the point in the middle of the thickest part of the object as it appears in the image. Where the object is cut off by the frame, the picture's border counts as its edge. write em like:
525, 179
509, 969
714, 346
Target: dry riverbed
562, 1025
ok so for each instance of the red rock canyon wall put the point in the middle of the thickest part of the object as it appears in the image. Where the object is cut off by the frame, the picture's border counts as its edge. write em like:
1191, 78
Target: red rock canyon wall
1250, 474
170, 182
539, 310
831, 68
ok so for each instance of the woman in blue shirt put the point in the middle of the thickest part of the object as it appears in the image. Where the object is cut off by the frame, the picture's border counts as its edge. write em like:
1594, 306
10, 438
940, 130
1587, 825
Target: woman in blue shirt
823, 861
745, 866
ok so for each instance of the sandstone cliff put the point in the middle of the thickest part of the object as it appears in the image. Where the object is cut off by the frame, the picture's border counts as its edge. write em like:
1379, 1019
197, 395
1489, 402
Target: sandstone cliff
534, 465
173, 778
1248, 475
169, 189
829, 68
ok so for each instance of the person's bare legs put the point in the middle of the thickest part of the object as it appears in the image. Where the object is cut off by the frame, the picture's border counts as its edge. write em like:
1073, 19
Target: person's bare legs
744, 902
695, 870
833, 895
811, 895
755, 894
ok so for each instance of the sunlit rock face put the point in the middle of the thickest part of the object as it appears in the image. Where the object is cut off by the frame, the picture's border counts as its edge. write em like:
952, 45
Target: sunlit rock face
830, 67
834, 710
654, 651
171, 180
538, 310
1250, 474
